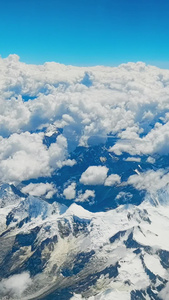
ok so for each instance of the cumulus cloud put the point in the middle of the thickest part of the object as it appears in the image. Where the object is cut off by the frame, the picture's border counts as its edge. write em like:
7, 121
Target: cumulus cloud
15, 285
24, 156
40, 189
123, 98
69, 162
129, 101
150, 180
13, 115
70, 191
88, 195
94, 175
156, 141
112, 179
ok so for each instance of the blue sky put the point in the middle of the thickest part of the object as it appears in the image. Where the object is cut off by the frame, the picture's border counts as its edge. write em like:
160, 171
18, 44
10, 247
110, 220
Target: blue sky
86, 32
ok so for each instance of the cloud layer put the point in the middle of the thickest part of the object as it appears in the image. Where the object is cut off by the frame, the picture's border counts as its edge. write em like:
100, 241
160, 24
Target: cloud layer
129, 102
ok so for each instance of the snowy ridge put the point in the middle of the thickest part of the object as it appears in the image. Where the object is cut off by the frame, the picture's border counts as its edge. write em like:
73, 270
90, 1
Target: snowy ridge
124, 250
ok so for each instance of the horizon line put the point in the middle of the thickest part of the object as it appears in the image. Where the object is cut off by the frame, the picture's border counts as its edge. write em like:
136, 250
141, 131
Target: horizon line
157, 64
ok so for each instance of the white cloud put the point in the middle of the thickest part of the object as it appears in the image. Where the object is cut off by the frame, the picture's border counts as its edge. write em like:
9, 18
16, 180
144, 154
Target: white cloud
124, 195
156, 141
86, 196
40, 189
122, 101
24, 156
15, 285
94, 175
69, 162
13, 115
58, 152
70, 191
122, 98
150, 181
112, 179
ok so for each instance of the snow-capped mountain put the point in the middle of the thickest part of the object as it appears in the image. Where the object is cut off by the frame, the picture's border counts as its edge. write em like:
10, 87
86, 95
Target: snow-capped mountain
71, 250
